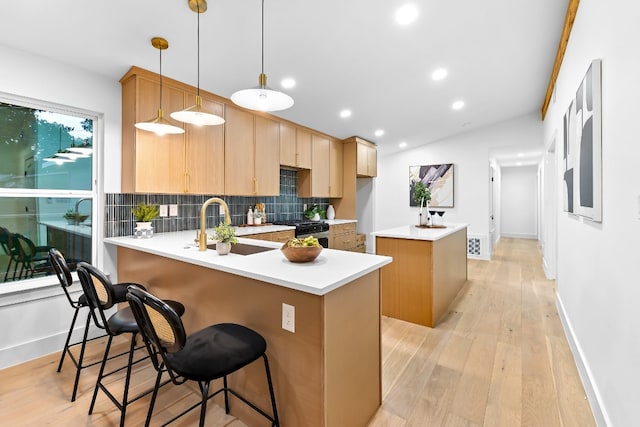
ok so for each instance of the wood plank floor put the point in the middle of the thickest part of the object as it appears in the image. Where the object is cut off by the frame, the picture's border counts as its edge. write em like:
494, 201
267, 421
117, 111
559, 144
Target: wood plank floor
500, 358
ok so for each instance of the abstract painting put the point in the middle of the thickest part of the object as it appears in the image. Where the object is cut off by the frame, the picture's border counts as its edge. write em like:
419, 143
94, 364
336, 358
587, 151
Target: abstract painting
438, 179
582, 149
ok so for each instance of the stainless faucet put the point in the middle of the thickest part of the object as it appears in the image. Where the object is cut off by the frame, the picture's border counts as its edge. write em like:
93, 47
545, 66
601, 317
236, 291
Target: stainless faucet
202, 238
75, 208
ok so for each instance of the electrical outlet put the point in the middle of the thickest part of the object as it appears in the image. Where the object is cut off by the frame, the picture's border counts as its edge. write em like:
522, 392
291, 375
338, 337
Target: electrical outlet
164, 211
288, 318
173, 210
304, 206
221, 210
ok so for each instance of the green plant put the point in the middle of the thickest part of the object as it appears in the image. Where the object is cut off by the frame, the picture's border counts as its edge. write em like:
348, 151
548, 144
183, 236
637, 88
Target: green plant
314, 209
144, 212
225, 233
421, 193
75, 216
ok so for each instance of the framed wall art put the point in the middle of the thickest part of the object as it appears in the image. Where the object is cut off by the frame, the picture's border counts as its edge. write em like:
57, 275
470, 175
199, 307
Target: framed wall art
438, 179
582, 148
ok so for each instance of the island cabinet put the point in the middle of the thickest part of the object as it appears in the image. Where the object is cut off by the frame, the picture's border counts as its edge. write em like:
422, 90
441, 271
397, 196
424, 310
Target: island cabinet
252, 154
192, 162
325, 177
327, 371
429, 268
295, 147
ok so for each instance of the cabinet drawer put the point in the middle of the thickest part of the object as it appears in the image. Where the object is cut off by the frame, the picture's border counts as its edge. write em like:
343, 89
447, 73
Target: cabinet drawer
282, 236
344, 242
347, 228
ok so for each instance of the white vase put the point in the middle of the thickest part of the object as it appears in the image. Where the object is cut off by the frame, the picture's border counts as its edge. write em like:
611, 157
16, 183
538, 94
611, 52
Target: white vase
223, 248
143, 230
331, 213
316, 217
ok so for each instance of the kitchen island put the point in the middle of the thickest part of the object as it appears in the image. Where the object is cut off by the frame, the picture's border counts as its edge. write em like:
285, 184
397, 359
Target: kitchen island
73, 240
429, 268
327, 372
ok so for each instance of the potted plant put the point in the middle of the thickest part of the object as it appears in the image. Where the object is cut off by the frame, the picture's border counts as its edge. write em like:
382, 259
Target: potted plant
74, 218
422, 196
144, 214
225, 235
314, 213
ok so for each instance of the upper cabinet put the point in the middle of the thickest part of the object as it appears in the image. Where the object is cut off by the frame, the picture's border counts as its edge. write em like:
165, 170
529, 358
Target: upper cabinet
367, 159
325, 177
295, 147
252, 154
192, 162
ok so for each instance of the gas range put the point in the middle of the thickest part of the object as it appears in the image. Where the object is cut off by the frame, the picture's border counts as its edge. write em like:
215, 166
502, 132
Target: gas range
305, 227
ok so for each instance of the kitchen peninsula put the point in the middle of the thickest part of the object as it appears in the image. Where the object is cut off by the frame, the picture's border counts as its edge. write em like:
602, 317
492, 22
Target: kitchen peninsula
327, 372
429, 268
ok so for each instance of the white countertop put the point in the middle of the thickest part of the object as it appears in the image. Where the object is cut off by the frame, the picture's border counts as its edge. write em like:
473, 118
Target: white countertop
82, 229
259, 229
414, 233
339, 221
332, 268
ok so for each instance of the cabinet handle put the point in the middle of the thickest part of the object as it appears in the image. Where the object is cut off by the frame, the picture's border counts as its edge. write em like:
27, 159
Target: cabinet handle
255, 185
186, 182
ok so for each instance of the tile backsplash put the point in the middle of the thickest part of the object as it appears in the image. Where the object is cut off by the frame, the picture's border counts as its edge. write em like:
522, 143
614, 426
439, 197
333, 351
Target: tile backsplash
287, 206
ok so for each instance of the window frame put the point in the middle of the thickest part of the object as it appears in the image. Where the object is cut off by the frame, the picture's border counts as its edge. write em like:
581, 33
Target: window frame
38, 288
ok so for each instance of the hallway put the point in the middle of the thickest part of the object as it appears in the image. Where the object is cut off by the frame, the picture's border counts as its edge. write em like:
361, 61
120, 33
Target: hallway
500, 358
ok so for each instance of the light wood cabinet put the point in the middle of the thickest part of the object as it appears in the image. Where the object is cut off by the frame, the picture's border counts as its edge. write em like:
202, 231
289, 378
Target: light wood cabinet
325, 177
252, 154
367, 159
343, 237
275, 236
295, 147
192, 162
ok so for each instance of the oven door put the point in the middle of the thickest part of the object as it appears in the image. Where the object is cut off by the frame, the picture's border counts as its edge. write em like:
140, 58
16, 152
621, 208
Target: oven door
323, 237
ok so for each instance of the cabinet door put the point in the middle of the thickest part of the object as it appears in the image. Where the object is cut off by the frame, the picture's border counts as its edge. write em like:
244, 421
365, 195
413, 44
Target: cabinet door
362, 167
336, 168
239, 152
303, 149
267, 155
159, 160
287, 145
372, 162
204, 169
320, 161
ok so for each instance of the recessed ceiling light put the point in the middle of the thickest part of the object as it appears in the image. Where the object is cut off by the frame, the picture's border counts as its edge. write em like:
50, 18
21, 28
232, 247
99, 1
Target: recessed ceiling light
520, 154
288, 83
345, 113
519, 164
406, 14
402, 144
439, 74
379, 132
457, 105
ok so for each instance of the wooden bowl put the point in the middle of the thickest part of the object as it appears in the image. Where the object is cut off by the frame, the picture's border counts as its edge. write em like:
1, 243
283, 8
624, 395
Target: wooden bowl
301, 253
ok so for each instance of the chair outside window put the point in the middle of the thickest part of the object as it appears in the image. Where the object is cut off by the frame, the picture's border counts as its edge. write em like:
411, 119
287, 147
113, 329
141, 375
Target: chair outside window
211, 353
101, 296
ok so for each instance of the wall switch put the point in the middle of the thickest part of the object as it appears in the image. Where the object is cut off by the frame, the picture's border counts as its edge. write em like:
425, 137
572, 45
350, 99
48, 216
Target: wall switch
173, 210
164, 211
304, 206
288, 318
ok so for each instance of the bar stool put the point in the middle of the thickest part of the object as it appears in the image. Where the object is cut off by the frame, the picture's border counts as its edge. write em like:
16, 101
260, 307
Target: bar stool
211, 353
63, 272
101, 293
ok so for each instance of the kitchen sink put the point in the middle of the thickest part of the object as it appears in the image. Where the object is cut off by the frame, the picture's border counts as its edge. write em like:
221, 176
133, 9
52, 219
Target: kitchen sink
244, 249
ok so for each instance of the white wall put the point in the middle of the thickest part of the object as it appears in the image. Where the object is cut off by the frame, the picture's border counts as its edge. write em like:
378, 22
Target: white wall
598, 263
44, 313
469, 152
519, 202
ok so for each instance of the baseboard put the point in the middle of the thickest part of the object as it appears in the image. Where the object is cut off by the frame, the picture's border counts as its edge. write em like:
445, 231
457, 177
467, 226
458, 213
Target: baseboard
520, 236
23, 352
599, 413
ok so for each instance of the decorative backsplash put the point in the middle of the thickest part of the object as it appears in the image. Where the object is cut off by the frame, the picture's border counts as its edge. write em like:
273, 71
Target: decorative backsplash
287, 206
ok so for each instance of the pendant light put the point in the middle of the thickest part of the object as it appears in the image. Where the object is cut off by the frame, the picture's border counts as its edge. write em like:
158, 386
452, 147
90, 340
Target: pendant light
262, 97
197, 114
159, 125
85, 148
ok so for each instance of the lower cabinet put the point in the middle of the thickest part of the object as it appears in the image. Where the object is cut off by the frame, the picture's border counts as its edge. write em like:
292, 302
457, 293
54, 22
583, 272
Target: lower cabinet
276, 236
343, 236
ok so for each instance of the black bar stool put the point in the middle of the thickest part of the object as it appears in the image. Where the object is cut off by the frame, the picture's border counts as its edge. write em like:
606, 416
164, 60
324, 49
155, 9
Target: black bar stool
211, 353
63, 272
101, 296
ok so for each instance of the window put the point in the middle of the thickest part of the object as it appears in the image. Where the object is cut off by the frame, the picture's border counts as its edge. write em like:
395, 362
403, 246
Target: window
47, 191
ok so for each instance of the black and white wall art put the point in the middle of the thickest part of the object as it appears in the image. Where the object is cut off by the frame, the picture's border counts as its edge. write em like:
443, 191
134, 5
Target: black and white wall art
582, 149
438, 179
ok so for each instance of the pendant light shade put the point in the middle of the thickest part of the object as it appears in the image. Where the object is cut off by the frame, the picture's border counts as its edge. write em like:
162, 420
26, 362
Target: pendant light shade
262, 97
197, 114
159, 125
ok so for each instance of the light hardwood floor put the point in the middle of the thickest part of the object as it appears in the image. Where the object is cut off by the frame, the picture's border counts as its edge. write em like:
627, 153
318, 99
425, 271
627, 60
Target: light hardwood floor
500, 358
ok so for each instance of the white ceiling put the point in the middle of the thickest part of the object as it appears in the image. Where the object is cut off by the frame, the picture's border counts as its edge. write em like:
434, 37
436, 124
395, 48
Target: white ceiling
342, 53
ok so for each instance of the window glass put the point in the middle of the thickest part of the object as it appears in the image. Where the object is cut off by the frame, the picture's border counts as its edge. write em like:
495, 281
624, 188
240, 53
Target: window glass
46, 188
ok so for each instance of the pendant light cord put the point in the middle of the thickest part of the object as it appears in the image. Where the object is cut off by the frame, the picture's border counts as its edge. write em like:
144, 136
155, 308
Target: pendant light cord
160, 78
262, 36
198, 90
